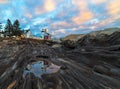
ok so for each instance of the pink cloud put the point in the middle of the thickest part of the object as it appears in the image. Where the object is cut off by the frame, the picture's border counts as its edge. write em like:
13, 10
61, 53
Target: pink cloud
39, 10
3, 1
109, 20
28, 15
98, 1
60, 24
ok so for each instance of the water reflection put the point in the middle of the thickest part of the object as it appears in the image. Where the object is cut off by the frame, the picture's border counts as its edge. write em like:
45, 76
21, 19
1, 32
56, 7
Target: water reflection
39, 68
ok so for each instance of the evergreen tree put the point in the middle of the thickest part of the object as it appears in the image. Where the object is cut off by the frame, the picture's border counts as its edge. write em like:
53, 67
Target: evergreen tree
16, 28
16, 25
8, 28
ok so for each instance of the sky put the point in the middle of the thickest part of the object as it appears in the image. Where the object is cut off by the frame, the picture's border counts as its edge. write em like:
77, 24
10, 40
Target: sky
62, 17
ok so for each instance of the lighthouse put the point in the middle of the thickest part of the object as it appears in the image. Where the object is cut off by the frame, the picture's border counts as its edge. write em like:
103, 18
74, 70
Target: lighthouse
45, 34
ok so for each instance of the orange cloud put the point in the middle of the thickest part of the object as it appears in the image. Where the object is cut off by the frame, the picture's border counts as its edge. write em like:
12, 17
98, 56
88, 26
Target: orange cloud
3, 1
49, 5
83, 17
84, 13
114, 7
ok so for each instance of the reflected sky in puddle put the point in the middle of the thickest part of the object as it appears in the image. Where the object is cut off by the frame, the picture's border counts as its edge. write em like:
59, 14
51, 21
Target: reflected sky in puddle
38, 69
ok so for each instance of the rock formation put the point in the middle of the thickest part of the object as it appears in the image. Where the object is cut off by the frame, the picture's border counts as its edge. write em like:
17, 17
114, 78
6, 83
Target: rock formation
90, 63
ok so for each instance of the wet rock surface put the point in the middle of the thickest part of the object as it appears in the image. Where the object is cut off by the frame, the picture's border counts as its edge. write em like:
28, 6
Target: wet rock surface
88, 67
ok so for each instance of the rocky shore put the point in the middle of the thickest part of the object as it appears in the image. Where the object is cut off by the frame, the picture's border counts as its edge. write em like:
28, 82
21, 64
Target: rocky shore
89, 63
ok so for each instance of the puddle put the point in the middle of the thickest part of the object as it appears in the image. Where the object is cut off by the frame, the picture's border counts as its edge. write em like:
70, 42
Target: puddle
39, 68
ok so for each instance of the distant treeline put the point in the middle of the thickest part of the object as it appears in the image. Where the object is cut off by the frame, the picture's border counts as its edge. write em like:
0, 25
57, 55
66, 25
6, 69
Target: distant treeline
12, 29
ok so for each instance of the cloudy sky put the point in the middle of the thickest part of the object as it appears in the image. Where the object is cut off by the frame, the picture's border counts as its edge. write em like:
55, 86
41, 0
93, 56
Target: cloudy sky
62, 17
